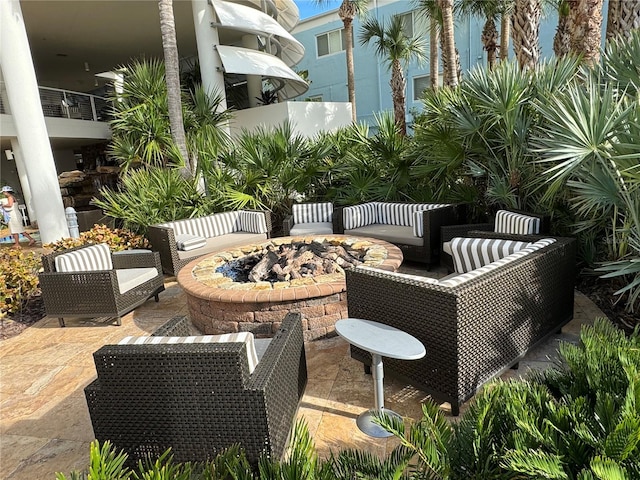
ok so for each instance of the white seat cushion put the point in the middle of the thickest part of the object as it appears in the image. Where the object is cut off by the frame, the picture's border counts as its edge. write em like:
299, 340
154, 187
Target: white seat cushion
388, 233
240, 337
320, 228
129, 278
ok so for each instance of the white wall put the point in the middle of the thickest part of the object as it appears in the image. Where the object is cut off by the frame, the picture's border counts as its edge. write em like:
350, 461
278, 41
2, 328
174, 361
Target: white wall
307, 118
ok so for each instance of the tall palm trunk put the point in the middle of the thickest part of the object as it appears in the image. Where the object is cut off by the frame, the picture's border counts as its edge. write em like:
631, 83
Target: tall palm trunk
623, 16
489, 39
585, 26
347, 13
434, 65
562, 38
505, 33
398, 87
172, 77
448, 40
525, 27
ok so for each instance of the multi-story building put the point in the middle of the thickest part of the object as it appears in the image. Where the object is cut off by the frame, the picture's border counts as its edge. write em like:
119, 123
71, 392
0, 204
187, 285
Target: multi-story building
323, 39
57, 56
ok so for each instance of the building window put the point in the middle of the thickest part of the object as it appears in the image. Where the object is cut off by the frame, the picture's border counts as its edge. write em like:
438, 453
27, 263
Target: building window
407, 24
420, 84
313, 98
330, 43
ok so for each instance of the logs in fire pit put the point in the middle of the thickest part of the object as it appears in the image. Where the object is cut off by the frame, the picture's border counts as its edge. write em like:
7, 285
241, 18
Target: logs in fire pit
278, 263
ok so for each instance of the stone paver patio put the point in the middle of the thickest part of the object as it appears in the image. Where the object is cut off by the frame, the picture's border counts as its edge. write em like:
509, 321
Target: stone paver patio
44, 421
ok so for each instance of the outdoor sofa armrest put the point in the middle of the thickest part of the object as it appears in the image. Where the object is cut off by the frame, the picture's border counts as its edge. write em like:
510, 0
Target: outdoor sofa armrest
136, 259
287, 225
163, 241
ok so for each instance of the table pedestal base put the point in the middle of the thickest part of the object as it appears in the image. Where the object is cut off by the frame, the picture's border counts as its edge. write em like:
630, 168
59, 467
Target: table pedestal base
367, 425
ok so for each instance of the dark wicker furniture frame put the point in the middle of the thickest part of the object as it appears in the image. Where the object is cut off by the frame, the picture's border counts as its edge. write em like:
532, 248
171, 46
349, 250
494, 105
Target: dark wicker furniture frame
474, 331
95, 293
163, 241
198, 399
433, 220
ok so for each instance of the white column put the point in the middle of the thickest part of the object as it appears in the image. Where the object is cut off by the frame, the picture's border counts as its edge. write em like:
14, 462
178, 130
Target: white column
254, 82
211, 68
24, 99
24, 179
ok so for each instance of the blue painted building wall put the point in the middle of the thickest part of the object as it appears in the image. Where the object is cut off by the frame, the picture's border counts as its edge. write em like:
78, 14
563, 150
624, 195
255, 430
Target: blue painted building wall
373, 94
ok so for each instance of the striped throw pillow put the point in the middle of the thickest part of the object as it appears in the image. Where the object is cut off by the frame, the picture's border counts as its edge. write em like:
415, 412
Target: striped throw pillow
471, 253
359, 215
516, 223
253, 222
94, 257
312, 212
240, 337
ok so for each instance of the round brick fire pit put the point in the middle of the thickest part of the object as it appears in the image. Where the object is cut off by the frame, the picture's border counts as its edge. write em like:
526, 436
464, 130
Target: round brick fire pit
218, 305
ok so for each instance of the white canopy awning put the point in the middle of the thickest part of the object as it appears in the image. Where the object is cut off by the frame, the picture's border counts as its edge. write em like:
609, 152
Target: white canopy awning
252, 62
288, 14
249, 20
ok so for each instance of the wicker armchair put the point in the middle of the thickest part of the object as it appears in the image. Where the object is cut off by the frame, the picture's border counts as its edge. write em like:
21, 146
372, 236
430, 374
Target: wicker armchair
198, 398
473, 331
448, 232
309, 219
93, 293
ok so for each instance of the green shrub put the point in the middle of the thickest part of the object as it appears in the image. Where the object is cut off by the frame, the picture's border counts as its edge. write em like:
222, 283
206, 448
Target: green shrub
18, 279
118, 239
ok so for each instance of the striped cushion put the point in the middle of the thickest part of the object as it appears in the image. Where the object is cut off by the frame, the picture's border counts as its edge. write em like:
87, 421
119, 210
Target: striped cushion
95, 257
359, 215
312, 212
418, 218
402, 214
207, 227
241, 337
252, 222
188, 242
465, 277
516, 223
471, 253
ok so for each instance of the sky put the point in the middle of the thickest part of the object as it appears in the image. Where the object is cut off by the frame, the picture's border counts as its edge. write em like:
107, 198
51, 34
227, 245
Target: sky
309, 8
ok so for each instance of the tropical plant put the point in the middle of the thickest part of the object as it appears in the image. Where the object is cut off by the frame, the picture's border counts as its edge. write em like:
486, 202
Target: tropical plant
562, 38
18, 279
172, 78
397, 50
585, 29
117, 238
154, 195
525, 28
623, 16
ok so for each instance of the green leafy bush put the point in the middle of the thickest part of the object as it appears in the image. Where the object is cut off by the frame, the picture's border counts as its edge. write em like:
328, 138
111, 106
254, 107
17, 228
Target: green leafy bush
18, 279
118, 239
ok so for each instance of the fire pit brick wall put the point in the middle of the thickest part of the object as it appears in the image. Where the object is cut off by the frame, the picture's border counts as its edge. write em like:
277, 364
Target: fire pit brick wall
216, 309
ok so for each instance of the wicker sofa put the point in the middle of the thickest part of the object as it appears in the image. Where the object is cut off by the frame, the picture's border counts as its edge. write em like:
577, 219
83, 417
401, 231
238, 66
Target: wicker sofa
475, 325
196, 397
181, 241
413, 227
90, 281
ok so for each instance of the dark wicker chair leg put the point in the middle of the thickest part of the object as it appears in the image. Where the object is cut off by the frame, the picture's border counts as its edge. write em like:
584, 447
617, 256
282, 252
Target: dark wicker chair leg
515, 366
157, 298
119, 321
61, 321
455, 409
367, 369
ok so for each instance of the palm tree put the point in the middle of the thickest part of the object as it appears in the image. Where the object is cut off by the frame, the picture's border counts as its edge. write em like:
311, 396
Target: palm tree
491, 10
585, 27
397, 50
505, 30
562, 38
172, 75
623, 16
347, 12
525, 26
429, 9
449, 55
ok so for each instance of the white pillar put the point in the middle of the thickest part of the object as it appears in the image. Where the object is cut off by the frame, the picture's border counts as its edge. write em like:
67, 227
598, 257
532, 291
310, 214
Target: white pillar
24, 99
211, 68
254, 82
24, 179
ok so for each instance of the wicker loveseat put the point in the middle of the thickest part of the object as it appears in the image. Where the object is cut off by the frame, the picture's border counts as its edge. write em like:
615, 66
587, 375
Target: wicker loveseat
309, 219
90, 281
181, 241
474, 325
198, 397
413, 227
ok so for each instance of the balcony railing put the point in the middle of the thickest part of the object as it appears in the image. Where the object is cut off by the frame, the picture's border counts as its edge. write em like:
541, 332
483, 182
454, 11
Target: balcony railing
68, 104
